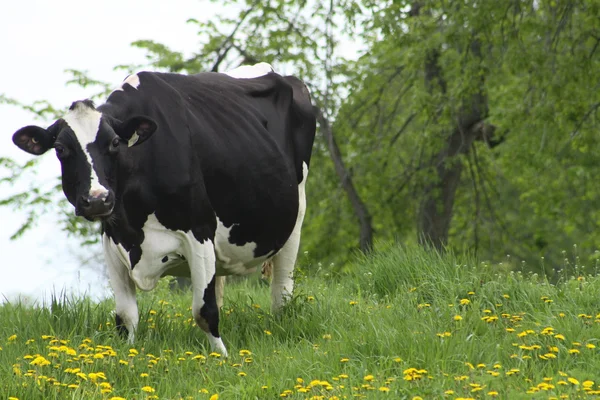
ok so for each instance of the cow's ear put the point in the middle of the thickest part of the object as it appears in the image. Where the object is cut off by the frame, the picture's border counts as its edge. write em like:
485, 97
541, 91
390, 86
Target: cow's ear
33, 139
136, 130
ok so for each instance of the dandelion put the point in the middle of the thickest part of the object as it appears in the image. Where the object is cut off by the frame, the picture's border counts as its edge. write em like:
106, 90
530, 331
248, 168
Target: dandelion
492, 393
144, 375
268, 332
590, 346
465, 302
39, 360
574, 351
244, 353
214, 397
327, 336
148, 389
344, 360
457, 318
242, 374
12, 338
573, 381
369, 378
353, 303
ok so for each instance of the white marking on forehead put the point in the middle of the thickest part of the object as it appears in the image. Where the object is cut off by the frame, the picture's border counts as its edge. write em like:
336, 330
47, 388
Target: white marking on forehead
133, 80
85, 122
250, 71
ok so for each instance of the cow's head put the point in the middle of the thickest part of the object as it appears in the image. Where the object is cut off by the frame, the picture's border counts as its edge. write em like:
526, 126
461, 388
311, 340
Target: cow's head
88, 145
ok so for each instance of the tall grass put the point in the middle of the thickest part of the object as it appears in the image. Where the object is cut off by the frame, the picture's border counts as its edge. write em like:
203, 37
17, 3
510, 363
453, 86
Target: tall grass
403, 323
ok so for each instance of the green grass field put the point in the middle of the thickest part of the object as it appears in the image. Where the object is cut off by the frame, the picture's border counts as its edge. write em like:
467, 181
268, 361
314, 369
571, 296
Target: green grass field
406, 324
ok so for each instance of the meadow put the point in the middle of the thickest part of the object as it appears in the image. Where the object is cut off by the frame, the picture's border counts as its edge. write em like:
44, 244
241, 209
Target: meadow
402, 324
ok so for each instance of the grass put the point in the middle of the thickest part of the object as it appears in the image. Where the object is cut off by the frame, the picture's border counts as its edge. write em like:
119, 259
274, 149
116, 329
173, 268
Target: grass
405, 324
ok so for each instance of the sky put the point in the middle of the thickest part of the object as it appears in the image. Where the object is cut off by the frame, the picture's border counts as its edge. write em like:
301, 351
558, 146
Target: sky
40, 40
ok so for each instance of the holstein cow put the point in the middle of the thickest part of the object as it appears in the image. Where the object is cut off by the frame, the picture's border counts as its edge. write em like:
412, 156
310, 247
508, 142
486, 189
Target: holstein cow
200, 175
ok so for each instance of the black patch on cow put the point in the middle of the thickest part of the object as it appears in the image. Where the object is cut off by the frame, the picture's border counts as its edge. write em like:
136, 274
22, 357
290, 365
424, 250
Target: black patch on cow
209, 311
121, 329
135, 254
165, 259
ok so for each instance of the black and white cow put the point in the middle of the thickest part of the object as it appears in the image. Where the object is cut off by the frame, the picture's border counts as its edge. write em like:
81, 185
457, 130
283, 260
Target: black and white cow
191, 175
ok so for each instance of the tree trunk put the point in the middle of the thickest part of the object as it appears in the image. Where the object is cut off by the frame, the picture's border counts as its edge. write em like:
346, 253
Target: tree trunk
359, 207
435, 214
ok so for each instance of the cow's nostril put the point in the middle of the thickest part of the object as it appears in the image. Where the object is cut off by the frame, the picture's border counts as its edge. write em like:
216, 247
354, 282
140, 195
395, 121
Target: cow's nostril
85, 201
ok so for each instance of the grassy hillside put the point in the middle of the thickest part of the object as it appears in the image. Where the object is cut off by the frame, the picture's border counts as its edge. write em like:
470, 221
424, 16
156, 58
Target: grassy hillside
405, 324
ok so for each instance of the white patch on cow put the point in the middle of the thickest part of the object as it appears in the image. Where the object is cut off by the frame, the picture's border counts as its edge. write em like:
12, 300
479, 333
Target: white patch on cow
85, 122
158, 243
133, 139
250, 71
231, 258
117, 261
217, 345
282, 284
133, 80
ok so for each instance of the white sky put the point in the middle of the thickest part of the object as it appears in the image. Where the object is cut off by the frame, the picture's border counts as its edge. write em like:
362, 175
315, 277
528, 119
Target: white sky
39, 39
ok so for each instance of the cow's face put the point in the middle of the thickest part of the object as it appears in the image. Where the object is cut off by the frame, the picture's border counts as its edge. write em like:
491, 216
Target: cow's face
89, 146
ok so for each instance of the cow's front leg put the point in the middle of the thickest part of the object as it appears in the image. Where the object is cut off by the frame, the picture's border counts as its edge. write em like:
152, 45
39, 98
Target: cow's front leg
204, 302
123, 287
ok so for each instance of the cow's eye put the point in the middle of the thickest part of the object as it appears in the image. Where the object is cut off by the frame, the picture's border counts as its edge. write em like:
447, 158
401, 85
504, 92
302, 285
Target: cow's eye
115, 142
61, 151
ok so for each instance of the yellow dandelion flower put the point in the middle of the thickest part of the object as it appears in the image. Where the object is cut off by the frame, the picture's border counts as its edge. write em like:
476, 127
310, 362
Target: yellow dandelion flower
574, 351
573, 381
559, 336
327, 336
449, 392
353, 303
457, 318
590, 346
144, 375
414, 398
492, 393
214, 397
12, 338
148, 389
242, 373
369, 378
464, 302
343, 360
397, 359
244, 353
39, 360
268, 332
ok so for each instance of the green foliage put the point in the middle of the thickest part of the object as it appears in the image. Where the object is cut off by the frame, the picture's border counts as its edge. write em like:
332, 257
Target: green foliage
353, 333
527, 68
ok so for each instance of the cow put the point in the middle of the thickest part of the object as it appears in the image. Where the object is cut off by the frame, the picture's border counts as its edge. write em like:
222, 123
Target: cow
190, 175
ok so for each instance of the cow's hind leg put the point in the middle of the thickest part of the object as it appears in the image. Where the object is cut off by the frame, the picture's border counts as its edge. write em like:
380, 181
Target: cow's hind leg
204, 302
282, 284
220, 290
